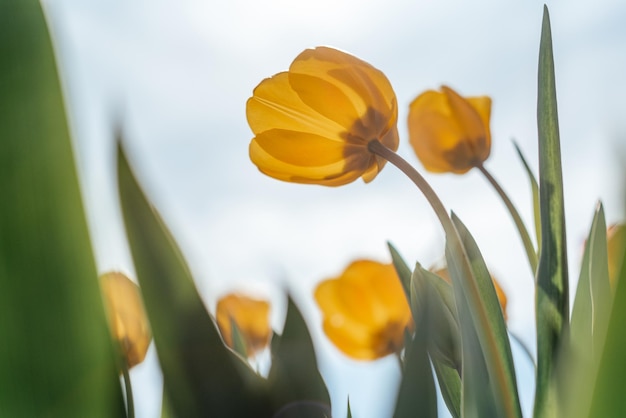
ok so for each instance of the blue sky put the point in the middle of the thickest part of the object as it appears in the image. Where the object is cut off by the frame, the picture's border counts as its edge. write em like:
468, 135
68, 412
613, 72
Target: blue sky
179, 74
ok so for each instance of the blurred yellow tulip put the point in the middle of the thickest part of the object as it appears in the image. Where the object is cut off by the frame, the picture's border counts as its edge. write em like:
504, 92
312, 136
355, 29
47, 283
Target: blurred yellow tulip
616, 241
443, 273
251, 316
127, 318
312, 124
365, 311
450, 133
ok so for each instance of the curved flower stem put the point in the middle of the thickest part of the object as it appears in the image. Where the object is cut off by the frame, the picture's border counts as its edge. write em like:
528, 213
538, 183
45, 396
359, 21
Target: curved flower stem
379, 149
502, 382
130, 404
521, 228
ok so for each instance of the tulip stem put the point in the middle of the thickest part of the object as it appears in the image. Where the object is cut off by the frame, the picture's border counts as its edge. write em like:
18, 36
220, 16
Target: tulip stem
379, 149
130, 404
521, 228
504, 384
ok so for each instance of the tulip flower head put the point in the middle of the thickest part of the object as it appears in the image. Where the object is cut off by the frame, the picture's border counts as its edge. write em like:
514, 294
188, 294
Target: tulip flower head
450, 133
365, 311
127, 319
251, 316
312, 123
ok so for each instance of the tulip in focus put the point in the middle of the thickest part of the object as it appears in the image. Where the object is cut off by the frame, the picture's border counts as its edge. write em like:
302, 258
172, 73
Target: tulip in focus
251, 316
450, 133
365, 311
127, 319
312, 124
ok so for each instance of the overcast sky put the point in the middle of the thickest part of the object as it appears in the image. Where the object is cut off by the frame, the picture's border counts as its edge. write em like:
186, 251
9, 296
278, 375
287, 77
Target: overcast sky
179, 73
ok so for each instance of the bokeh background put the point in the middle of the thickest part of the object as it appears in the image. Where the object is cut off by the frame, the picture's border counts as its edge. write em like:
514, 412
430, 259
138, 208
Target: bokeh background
176, 75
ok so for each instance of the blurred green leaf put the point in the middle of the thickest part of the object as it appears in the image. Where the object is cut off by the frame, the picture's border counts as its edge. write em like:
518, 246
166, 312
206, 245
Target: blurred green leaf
239, 341
349, 411
450, 385
486, 355
202, 377
608, 391
166, 408
294, 378
402, 269
593, 299
417, 396
552, 304
56, 354
534, 188
590, 316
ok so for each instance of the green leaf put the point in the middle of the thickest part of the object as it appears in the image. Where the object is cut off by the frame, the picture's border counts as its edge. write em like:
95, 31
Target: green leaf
56, 354
201, 376
295, 381
239, 341
349, 411
534, 186
608, 391
484, 336
592, 303
417, 396
450, 385
402, 269
590, 316
552, 304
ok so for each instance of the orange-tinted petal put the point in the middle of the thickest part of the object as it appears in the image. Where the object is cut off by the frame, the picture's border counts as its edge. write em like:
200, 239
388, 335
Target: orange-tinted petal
306, 158
365, 310
275, 105
251, 317
127, 318
448, 132
362, 83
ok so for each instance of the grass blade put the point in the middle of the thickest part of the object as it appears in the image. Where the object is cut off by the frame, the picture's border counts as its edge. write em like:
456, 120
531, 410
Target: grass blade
552, 304
56, 355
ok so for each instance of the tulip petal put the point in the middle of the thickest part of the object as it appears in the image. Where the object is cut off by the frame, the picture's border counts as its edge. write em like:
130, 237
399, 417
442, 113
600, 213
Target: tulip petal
275, 105
325, 98
362, 83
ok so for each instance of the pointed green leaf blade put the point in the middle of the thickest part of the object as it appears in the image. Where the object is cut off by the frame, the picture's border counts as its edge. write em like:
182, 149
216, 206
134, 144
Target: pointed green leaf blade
201, 376
590, 317
484, 335
417, 396
552, 304
402, 269
56, 355
608, 391
450, 385
294, 378
534, 189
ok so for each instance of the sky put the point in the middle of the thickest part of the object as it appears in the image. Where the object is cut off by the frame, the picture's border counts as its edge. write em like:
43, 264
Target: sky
177, 75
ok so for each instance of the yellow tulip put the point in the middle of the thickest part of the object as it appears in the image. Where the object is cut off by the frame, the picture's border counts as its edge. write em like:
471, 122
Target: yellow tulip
449, 133
251, 316
365, 311
312, 124
126, 315
616, 240
443, 273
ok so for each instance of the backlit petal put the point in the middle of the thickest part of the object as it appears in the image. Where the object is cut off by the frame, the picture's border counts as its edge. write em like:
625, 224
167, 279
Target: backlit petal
274, 105
251, 317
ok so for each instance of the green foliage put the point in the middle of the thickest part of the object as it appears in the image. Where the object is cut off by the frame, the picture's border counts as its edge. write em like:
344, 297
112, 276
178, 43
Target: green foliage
201, 376
56, 356
552, 303
294, 378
